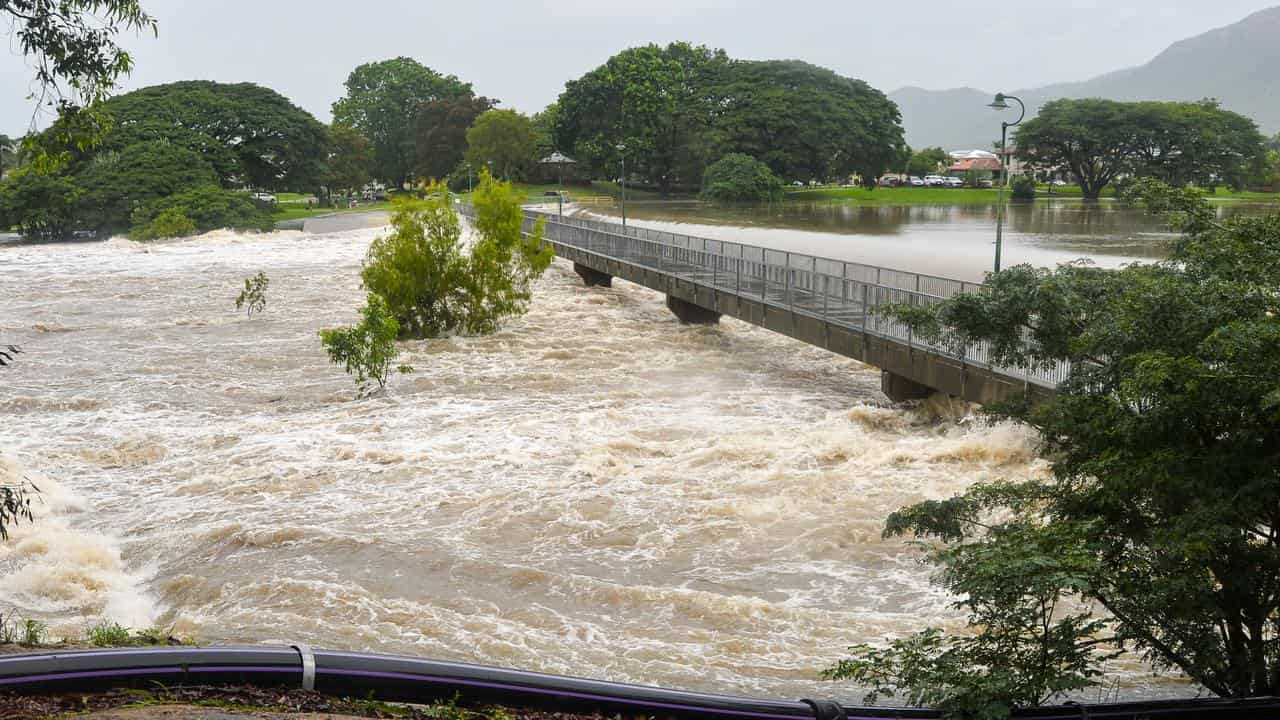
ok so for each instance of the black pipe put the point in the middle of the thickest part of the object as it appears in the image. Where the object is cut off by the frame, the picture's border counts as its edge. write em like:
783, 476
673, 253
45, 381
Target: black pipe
423, 681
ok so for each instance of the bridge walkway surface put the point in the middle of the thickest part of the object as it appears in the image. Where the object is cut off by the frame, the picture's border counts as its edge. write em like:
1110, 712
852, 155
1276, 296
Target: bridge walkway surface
829, 303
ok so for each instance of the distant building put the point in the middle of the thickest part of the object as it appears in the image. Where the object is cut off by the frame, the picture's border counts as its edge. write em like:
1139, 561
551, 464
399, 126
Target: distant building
986, 167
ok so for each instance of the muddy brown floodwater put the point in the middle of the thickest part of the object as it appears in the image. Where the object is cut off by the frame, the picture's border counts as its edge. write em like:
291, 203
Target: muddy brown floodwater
595, 490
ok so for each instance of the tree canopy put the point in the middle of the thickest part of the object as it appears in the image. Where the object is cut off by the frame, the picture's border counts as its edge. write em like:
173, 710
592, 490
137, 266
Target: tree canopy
677, 108
382, 102
652, 100
926, 161
507, 139
1100, 141
248, 134
1163, 505
442, 128
350, 162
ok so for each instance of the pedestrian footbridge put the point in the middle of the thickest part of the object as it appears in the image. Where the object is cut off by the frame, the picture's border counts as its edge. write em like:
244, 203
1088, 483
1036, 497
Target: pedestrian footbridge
824, 302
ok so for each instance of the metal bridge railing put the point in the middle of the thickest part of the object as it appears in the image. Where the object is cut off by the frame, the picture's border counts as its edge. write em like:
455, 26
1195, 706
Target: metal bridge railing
842, 293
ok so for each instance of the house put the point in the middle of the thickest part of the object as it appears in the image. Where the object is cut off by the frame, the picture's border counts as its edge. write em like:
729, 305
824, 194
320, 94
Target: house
986, 167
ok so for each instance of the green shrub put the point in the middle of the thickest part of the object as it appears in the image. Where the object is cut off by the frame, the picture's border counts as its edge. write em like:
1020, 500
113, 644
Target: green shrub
367, 349
740, 177
1024, 188
33, 632
209, 208
109, 634
171, 223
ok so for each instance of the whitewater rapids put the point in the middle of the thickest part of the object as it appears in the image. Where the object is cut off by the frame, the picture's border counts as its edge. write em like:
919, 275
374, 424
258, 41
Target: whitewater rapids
595, 490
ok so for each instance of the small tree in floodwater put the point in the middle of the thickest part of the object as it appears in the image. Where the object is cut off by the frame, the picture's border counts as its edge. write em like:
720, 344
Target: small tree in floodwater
253, 298
434, 285
368, 348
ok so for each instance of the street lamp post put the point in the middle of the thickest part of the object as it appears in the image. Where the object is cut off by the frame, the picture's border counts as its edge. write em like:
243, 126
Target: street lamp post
468, 177
622, 150
1001, 104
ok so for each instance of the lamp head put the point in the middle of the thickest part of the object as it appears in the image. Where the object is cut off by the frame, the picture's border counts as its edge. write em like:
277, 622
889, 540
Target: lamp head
999, 103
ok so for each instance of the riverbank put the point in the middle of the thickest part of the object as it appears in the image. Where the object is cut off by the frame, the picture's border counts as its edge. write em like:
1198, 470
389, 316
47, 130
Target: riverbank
978, 196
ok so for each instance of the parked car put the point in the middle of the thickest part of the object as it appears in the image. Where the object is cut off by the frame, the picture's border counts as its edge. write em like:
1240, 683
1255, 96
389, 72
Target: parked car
986, 183
915, 182
890, 181
934, 180
954, 182
264, 197
1059, 183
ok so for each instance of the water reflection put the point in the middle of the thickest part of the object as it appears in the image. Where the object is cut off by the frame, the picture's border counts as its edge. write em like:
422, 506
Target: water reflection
953, 240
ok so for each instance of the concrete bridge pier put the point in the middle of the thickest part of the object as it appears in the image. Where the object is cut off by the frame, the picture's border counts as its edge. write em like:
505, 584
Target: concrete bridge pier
690, 314
593, 278
900, 389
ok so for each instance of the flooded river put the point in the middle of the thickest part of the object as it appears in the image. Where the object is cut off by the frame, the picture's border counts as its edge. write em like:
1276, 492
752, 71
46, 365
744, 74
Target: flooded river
595, 490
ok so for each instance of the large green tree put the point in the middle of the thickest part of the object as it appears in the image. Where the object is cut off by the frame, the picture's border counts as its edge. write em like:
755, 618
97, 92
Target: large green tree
249, 135
1162, 509
506, 139
442, 132
651, 99
350, 162
382, 102
1102, 140
804, 121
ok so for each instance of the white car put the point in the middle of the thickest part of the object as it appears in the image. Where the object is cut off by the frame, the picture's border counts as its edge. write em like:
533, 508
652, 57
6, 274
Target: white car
935, 180
915, 182
264, 197
954, 182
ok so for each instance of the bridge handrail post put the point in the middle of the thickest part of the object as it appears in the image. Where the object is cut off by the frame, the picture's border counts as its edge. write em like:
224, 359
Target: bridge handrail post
825, 294
786, 280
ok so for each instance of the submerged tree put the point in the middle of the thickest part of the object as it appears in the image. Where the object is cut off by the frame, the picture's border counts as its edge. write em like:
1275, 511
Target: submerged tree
1163, 505
433, 285
367, 349
253, 298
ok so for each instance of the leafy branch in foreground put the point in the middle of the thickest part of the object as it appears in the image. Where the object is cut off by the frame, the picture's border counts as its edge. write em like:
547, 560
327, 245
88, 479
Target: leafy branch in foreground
72, 45
367, 349
15, 505
253, 298
1162, 508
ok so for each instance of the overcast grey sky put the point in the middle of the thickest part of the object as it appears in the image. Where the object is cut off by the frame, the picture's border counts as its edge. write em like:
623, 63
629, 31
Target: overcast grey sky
523, 51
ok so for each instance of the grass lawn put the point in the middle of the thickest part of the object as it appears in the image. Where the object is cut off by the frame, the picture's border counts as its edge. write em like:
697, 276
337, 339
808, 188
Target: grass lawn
297, 213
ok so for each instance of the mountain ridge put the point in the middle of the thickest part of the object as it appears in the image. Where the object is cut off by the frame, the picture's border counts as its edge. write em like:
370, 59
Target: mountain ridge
1238, 64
